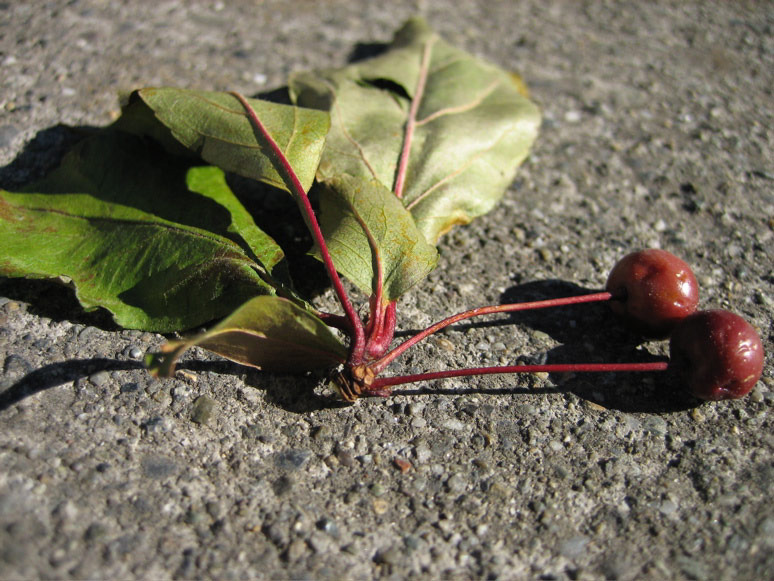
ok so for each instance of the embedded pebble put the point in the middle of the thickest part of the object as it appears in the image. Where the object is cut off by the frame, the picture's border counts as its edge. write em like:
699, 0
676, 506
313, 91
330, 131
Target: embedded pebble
291, 459
453, 424
320, 542
418, 423
346, 458
16, 366
572, 116
391, 556
134, 352
422, 454
377, 489
329, 526
574, 547
7, 134
158, 467
445, 344
156, 425
131, 387
380, 505
282, 485
667, 507
456, 484
296, 549
655, 425
202, 410
100, 378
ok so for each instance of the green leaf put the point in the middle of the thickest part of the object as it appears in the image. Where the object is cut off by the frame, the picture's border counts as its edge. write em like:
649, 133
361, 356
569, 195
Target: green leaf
216, 127
370, 235
267, 332
210, 181
124, 223
472, 126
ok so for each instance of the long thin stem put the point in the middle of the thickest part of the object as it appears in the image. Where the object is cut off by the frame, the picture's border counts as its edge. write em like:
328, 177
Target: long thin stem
284, 168
400, 178
408, 343
382, 382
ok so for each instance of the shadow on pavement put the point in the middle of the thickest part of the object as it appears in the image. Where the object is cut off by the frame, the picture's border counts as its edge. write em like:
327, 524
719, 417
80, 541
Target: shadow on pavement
57, 374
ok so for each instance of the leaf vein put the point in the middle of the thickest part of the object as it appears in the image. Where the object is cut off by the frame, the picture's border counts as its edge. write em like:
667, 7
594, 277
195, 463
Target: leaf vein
458, 171
348, 136
460, 108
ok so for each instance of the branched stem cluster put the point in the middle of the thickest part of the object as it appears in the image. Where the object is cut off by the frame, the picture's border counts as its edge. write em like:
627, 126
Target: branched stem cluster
370, 341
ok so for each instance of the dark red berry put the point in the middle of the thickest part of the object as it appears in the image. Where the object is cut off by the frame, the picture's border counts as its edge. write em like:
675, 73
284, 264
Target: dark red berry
717, 353
652, 290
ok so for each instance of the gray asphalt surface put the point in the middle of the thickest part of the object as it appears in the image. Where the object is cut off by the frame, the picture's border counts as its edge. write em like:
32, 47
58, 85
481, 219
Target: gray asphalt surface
657, 132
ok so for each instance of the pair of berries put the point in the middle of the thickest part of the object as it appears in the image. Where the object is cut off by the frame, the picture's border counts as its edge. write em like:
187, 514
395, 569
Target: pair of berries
717, 354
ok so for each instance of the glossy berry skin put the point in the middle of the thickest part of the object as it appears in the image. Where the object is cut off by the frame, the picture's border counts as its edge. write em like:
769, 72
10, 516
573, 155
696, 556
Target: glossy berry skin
717, 353
652, 290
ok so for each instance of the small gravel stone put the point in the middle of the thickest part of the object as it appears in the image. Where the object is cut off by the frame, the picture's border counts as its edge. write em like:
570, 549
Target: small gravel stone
282, 485
158, 467
453, 424
16, 367
88, 334
328, 526
445, 344
130, 387
402, 464
574, 547
655, 425
418, 423
95, 532
422, 454
100, 378
391, 556
291, 459
296, 550
7, 134
346, 458
668, 507
134, 352
456, 484
156, 425
320, 542
321, 433
380, 505
203, 407
692, 568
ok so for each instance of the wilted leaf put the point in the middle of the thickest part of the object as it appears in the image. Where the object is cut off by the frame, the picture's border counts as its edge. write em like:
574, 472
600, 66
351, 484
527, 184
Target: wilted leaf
471, 126
216, 127
119, 220
370, 234
267, 332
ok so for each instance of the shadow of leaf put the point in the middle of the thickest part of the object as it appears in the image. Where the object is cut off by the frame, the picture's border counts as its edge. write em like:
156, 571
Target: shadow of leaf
41, 154
292, 393
57, 374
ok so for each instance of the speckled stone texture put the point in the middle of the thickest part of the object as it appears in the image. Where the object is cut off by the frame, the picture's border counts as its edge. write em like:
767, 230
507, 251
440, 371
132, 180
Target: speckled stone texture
657, 132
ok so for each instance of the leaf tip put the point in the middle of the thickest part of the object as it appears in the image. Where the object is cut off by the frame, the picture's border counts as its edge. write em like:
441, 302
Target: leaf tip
162, 364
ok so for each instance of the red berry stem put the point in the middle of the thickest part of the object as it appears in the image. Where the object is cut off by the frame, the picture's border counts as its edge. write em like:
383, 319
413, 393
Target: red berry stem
284, 168
382, 382
379, 365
